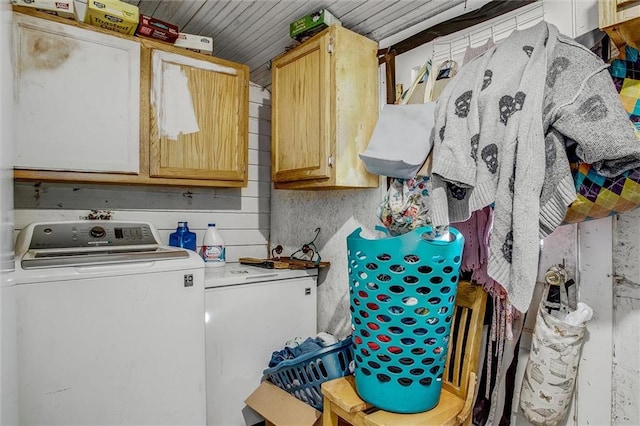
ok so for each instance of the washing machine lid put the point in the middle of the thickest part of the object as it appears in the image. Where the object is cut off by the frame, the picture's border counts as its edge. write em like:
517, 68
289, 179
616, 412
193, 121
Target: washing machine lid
84, 243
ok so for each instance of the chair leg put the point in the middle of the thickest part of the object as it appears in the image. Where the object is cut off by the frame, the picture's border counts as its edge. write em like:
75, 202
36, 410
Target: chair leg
329, 417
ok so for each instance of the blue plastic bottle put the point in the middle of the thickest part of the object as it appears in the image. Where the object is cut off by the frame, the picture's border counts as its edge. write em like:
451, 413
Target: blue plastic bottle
183, 237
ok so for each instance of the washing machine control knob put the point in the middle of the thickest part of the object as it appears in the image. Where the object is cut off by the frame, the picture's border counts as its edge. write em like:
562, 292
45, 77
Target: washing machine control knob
97, 232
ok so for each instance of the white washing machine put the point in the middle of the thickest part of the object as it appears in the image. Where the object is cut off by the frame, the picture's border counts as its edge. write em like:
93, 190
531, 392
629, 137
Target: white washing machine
250, 313
109, 326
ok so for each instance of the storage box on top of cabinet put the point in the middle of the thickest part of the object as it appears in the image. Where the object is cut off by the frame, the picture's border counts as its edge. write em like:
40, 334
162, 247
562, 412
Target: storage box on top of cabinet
113, 15
64, 9
324, 110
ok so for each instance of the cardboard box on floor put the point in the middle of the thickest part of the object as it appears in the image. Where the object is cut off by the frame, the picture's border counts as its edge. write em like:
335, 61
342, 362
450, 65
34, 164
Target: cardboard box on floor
279, 408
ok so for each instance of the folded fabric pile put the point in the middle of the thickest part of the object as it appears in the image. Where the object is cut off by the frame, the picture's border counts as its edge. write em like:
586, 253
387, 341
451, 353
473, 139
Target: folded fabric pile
298, 346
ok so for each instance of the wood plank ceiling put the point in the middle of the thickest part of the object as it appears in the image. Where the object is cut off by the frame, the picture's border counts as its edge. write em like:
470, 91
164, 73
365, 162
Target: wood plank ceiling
253, 32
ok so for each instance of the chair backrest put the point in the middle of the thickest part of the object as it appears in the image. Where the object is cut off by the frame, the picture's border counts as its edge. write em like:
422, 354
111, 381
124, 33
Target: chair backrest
465, 338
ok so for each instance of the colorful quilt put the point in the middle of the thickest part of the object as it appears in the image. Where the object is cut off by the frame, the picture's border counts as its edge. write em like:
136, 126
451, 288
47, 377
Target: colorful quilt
626, 77
599, 196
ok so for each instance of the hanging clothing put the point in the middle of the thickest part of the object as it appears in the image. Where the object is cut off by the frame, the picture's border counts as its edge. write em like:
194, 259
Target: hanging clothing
493, 405
477, 236
490, 144
473, 52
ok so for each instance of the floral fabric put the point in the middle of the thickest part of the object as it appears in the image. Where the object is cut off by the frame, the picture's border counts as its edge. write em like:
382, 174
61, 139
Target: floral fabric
407, 205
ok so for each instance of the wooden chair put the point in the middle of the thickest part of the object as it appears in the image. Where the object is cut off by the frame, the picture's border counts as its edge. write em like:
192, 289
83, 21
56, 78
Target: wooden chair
341, 401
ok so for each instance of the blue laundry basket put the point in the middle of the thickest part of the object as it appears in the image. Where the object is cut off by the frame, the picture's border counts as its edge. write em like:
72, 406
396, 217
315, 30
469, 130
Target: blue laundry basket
402, 292
303, 376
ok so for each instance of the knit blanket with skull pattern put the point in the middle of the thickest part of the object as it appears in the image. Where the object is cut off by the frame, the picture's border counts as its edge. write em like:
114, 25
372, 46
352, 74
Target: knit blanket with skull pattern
501, 125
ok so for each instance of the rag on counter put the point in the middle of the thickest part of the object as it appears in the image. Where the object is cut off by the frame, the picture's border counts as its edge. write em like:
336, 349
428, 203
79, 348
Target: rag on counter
499, 139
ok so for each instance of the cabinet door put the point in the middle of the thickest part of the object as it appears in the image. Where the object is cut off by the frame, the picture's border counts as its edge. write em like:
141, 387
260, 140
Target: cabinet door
301, 113
199, 126
77, 98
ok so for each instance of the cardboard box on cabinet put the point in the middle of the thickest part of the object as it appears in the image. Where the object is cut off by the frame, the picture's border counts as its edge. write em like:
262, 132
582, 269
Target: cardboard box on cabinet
155, 28
280, 408
195, 43
62, 8
80, 9
312, 24
112, 15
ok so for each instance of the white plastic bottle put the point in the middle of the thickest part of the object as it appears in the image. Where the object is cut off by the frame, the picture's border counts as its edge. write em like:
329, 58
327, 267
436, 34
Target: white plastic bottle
213, 249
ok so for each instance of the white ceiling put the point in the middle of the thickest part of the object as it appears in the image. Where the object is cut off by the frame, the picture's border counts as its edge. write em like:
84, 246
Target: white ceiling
253, 32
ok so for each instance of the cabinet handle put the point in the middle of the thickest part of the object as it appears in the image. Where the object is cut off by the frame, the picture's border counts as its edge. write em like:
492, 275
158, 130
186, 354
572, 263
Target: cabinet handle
330, 161
330, 45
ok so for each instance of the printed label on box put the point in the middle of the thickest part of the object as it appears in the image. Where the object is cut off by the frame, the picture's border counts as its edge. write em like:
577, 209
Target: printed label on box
155, 28
113, 15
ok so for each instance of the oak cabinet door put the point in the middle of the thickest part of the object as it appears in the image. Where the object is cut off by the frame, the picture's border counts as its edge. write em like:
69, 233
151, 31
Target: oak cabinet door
199, 118
301, 122
324, 109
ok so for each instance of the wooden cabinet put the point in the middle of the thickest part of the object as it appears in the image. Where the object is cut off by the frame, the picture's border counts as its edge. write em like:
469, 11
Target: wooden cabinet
125, 110
324, 109
199, 118
621, 20
77, 98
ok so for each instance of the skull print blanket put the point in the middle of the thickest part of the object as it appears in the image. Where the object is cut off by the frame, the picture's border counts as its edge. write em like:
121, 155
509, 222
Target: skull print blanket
500, 130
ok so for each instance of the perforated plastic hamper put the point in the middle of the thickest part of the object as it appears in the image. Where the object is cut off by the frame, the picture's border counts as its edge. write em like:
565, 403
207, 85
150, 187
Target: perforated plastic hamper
303, 376
402, 292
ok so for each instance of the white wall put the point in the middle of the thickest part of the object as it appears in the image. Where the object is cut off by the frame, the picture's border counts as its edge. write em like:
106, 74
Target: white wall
242, 215
295, 216
572, 18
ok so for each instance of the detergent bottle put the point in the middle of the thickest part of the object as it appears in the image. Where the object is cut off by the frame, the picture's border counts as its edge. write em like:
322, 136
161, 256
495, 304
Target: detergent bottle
213, 249
183, 237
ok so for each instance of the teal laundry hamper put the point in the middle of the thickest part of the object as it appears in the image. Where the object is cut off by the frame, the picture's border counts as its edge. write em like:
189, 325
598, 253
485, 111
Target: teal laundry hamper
402, 293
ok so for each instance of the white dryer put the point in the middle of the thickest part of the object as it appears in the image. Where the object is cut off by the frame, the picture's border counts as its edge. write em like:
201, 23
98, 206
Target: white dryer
250, 313
109, 326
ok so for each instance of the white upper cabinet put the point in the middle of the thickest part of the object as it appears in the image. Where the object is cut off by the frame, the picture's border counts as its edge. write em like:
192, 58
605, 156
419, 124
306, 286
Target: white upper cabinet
77, 98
